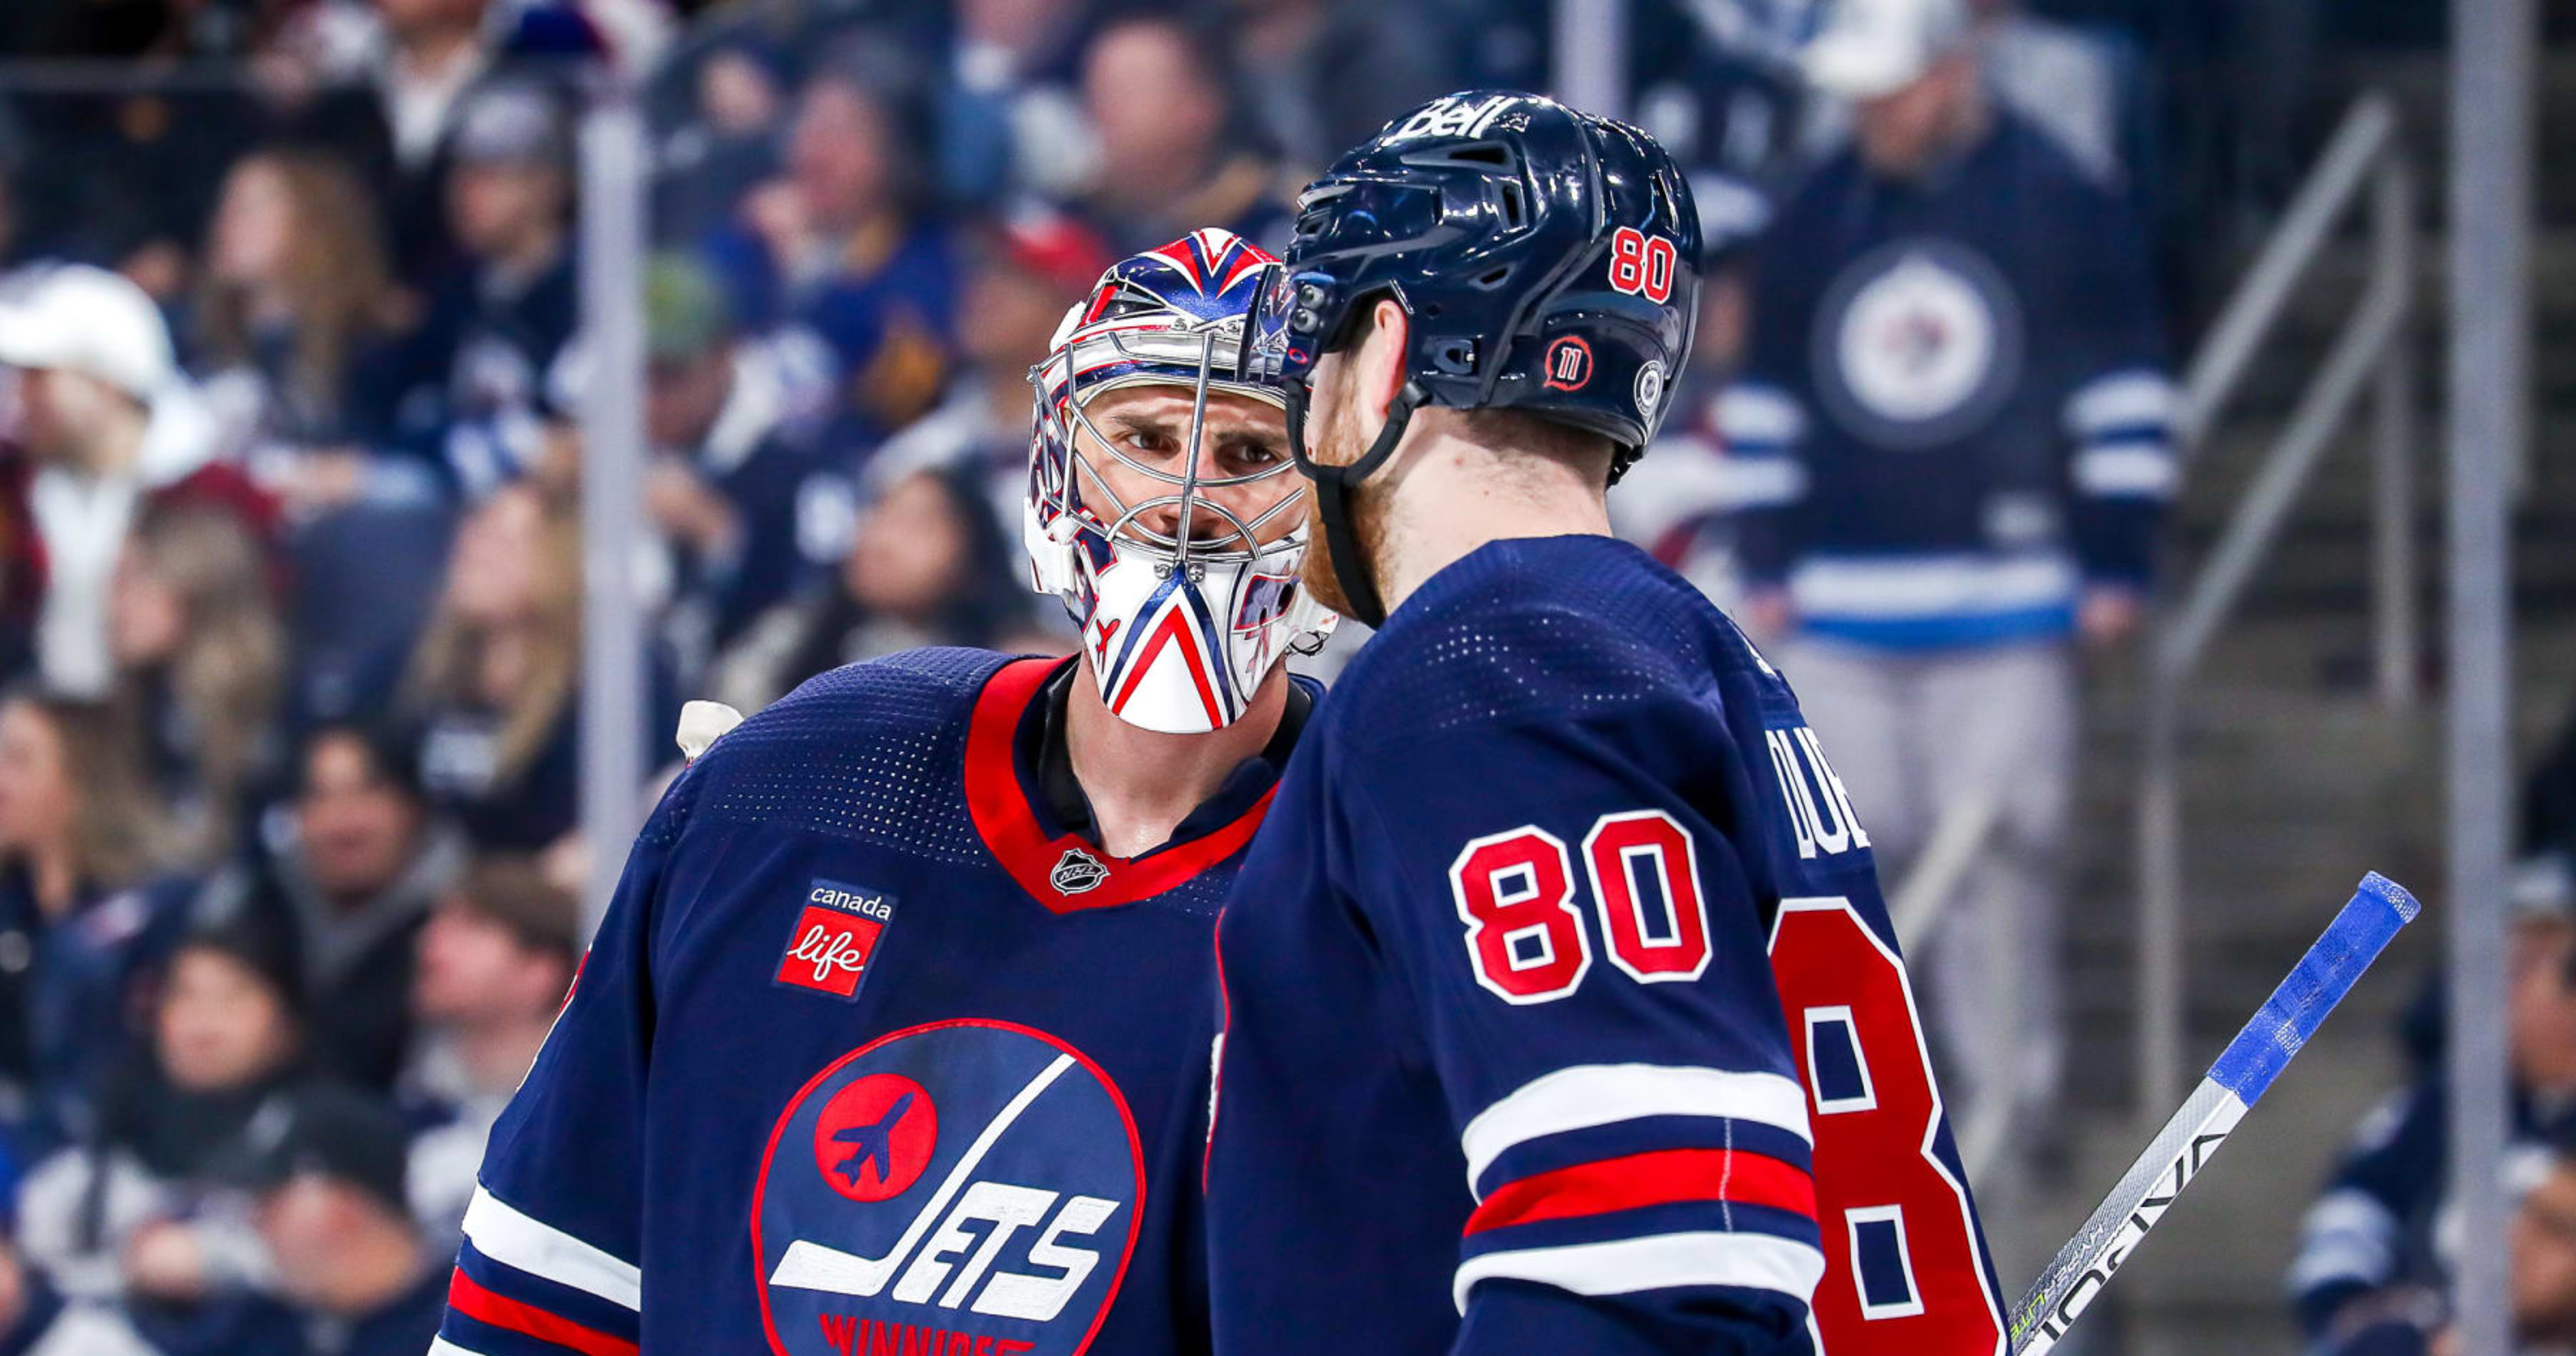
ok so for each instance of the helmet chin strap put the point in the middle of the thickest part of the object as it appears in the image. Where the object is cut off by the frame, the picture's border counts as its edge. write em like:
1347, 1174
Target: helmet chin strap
1333, 487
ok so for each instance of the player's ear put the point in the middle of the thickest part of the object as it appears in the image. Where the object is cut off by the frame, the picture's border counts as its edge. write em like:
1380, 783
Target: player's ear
1381, 366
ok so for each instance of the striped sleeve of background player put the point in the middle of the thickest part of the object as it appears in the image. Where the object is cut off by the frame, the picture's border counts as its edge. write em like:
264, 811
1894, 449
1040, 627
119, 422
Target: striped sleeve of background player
2353, 1241
548, 1265
1598, 1006
2120, 413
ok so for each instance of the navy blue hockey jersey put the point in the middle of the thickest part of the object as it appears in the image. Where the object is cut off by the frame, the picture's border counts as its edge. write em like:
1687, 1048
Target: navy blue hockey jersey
869, 1056
1563, 1012
1954, 412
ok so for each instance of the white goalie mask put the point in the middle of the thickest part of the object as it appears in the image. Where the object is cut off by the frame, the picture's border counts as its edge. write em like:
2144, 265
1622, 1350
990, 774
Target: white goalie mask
1185, 608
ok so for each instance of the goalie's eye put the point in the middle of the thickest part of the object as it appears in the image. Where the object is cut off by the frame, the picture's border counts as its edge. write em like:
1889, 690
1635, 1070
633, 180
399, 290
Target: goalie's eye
1151, 442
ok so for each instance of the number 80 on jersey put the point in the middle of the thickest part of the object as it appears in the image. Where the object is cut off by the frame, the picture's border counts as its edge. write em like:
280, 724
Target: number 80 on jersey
1525, 933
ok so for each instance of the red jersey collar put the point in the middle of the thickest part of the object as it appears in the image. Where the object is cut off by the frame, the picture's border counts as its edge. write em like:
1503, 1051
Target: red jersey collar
1065, 872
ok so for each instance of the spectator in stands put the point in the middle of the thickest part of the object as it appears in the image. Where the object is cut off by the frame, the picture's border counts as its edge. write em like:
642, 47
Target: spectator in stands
731, 420
725, 143
2543, 1276
108, 424
2369, 1241
330, 1176
495, 962
1323, 75
1008, 122
1956, 380
2061, 79
81, 906
493, 682
2541, 1281
1022, 273
929, 566
844, 243
298, 328
1174, 154
137, 1209
483, 367
193, 623
351, 885
421, 65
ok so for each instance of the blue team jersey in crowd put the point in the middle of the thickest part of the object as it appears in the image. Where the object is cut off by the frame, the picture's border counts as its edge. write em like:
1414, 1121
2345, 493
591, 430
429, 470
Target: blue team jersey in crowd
1954, 412
1506, 1066
870, 1056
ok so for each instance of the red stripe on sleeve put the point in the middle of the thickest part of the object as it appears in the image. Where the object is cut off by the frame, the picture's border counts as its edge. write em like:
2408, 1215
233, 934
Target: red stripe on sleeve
1666, 1177
469, 1298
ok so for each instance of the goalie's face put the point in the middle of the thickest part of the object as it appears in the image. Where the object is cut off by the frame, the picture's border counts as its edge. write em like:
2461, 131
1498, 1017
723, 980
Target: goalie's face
1227, 490
1174, 541
1164, 506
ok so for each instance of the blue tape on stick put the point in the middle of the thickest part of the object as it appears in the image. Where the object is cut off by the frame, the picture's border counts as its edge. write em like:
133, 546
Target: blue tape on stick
2294, 1011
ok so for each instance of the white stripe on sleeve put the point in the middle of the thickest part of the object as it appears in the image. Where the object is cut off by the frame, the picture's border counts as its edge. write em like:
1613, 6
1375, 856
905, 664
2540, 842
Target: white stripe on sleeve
1760, 416
523, 1244
1883, 588
1760, 482
2122, 400
2133, 470
1599, 1094
2348, 1236
1656, 1262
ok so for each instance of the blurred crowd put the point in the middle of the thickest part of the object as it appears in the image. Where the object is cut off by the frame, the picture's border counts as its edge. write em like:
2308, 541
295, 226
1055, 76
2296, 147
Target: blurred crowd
2381, 1240
291, 352
291, 359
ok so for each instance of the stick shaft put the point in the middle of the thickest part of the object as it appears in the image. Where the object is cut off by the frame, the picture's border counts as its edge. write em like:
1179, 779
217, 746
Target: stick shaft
2188, 1140
2069, 1284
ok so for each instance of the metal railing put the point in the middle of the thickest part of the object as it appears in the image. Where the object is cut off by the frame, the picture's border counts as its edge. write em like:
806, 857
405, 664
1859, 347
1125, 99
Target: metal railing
2365, 168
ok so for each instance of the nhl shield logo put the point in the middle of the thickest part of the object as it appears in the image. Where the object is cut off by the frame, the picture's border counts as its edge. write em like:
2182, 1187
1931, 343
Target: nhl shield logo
962, 1187
1076, 872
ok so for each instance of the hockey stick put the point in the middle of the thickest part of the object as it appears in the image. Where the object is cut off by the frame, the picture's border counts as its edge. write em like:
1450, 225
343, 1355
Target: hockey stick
2244, 1069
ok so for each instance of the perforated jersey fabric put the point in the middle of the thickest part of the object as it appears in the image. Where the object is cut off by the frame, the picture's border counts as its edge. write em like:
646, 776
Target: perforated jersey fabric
867, 751
1515, 634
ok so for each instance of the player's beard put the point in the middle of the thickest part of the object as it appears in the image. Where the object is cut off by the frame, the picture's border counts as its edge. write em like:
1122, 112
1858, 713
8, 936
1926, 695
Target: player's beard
1338, 443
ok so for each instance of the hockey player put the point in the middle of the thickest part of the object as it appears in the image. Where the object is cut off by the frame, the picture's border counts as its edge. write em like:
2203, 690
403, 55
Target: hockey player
1564, 1013
895, 1038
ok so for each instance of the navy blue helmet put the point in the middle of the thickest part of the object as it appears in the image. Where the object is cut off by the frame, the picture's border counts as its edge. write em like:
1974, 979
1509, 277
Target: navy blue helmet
1546, 260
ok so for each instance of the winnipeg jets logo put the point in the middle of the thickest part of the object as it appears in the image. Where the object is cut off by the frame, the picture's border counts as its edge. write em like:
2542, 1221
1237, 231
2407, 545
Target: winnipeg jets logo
962, 1186
1077, 872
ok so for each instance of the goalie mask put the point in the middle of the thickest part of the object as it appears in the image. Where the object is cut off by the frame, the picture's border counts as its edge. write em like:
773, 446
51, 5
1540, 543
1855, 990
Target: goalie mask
1186, 589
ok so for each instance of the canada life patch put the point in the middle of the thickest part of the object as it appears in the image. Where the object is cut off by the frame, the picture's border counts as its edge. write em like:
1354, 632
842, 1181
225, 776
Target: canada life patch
966, 1188
836, 933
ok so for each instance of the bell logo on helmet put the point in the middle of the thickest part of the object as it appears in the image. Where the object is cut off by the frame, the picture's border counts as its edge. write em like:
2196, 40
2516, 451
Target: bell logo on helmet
1569, 364
1529, 235
1077, 872
1450, 117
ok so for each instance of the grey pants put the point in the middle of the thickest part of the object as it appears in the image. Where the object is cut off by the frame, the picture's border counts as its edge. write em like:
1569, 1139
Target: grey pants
1914, 735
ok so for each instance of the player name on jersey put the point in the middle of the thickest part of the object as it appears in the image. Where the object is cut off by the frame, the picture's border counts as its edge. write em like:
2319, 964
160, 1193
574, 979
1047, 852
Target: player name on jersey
1820, 810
